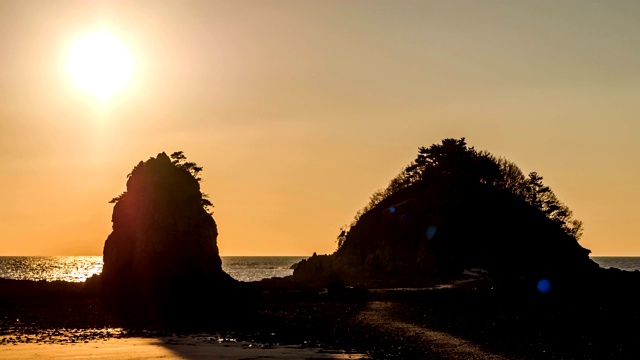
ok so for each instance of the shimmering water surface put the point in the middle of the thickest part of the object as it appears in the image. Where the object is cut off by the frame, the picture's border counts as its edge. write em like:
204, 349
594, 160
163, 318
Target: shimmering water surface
627, 263
254, 268
243, 268
79, 268
51, 268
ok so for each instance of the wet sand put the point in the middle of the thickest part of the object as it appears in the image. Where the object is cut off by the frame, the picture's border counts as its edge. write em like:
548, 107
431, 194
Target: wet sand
167, 348
438, 343
482, 319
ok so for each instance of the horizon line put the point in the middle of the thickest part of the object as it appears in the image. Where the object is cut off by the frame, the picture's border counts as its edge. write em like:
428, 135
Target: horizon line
278, 255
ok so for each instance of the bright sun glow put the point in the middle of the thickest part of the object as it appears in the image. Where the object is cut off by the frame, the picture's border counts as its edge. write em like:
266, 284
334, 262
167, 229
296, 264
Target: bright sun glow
99, 63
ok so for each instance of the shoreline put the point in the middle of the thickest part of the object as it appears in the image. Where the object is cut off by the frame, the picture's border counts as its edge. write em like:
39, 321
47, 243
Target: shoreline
169, 348
477, 318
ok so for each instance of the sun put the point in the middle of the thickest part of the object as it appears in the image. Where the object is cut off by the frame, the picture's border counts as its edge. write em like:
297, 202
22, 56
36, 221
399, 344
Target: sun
99, 63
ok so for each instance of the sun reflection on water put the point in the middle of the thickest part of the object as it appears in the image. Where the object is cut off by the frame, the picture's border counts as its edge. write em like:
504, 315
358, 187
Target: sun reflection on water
80, 268
50, 268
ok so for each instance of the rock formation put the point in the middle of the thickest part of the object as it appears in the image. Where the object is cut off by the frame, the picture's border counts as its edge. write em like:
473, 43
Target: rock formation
162, 236
457, 213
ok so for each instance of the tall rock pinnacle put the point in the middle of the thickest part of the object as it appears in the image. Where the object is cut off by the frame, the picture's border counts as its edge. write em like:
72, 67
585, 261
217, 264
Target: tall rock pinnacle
162, 236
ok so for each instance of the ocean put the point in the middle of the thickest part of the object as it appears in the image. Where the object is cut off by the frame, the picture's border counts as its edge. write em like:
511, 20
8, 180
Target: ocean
79, 268
242, 268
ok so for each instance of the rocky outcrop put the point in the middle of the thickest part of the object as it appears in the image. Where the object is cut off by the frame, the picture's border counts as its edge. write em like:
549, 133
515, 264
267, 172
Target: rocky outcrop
162, 236
439, 229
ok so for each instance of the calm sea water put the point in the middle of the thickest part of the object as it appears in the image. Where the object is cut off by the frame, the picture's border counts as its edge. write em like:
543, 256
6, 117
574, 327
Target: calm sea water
243, 268
79, 268
627, 263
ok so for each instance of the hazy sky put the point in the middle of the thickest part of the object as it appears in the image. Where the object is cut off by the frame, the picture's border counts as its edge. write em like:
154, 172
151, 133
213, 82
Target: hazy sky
299, 110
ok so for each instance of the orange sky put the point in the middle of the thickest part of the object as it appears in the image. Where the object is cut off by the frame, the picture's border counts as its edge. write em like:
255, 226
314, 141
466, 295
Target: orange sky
299, 110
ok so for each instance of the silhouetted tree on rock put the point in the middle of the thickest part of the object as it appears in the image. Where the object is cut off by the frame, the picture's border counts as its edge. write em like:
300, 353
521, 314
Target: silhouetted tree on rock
164, 242
453, 208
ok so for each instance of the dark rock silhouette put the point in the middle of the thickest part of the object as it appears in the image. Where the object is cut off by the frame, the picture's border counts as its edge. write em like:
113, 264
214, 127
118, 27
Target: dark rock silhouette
457, 213
162, 239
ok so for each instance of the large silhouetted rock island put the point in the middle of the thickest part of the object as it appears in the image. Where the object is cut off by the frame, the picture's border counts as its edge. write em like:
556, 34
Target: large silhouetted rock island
456, 208
163, 238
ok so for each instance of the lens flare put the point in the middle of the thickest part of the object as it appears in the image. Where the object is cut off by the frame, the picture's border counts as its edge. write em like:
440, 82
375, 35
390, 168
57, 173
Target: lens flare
431, 231
544, 286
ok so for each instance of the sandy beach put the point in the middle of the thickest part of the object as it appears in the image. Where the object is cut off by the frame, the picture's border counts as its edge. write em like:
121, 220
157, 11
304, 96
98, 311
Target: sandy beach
167, 348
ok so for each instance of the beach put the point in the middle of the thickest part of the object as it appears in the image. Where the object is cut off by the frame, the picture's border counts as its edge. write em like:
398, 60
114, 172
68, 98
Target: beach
168, 348
473, 318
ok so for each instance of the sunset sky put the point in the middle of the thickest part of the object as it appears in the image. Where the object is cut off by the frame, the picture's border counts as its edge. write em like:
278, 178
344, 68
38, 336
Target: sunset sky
299, 110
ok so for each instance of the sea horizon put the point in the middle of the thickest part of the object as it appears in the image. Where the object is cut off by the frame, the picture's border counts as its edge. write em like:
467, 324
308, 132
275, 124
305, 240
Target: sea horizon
590, 256
80, 268
241, 267
1, 256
